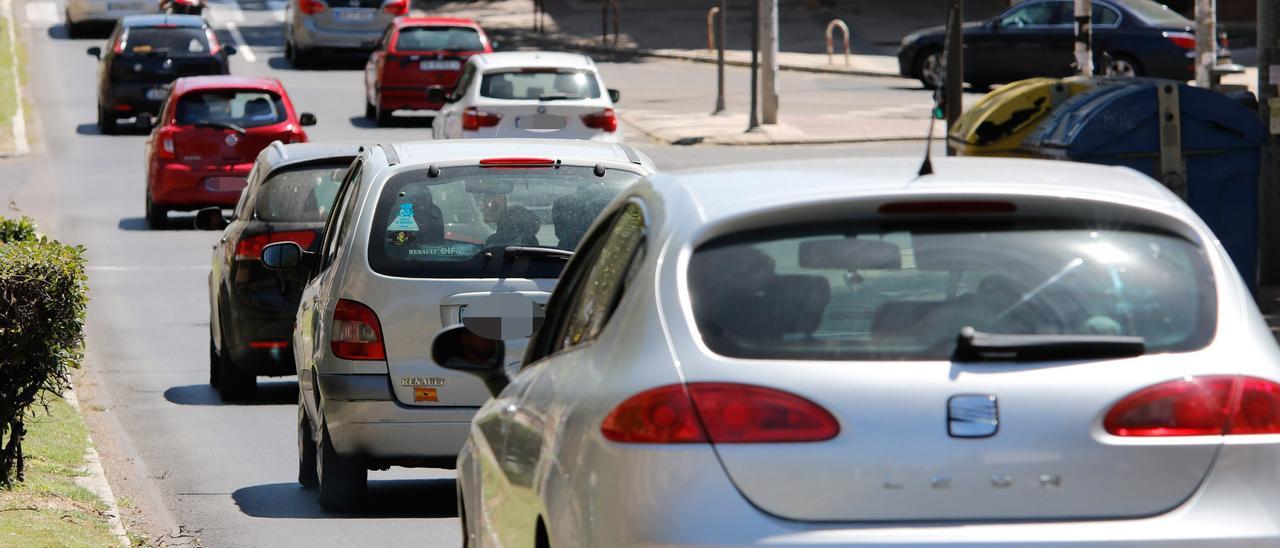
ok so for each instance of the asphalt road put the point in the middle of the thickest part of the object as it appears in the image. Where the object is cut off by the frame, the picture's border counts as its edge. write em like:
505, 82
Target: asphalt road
194, 470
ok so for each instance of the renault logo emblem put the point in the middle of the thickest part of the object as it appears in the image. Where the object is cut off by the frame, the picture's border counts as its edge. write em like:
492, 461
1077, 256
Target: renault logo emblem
972, 416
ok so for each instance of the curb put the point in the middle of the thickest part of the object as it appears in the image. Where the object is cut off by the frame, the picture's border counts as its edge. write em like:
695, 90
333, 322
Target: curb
19, 121
743, 138
96, 478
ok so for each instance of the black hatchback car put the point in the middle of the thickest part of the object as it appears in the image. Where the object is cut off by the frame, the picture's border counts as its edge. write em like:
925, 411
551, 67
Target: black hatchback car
252, 309
1037, 38
147, 52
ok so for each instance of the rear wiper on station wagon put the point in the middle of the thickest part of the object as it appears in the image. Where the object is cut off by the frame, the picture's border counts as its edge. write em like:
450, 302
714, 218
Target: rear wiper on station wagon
975, 346
222, 125
557, 97
536, 251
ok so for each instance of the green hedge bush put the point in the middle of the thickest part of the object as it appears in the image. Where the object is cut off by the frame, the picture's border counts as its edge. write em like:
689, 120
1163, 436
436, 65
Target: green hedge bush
42, 308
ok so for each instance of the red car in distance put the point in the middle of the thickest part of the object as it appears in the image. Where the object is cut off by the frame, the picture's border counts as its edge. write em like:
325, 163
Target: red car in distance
209, 132
415, 54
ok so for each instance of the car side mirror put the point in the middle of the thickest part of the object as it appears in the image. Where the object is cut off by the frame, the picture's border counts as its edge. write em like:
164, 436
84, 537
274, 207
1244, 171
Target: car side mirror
95, 51
615, 95
282, 256
437, 95
307, 119
459, 349
210, 218
231, 50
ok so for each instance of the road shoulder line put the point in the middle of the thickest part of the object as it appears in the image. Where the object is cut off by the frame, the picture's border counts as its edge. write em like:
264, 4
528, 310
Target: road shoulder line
95, 479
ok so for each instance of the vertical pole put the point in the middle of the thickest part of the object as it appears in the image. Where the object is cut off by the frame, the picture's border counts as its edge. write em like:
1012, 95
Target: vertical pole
769, 58
753, 120
1084, 37
724, 7
1206, 41
955, 66
1269, 185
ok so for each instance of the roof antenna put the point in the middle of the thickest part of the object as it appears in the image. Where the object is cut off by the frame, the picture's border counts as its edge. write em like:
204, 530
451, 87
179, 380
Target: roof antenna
926, 168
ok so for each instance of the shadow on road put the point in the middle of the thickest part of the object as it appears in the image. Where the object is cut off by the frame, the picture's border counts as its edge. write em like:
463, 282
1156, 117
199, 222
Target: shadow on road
177, 221
423, 122
331, 63
432, 498
92, 31
269, 393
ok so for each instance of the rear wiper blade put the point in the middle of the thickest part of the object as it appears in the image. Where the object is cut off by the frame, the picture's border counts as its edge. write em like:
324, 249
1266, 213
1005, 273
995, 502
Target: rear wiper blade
223, 125
557, 97
975, 346
536, 251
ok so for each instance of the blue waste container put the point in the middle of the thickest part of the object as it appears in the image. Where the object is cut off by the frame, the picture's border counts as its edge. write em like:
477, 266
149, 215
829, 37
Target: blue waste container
1120, 124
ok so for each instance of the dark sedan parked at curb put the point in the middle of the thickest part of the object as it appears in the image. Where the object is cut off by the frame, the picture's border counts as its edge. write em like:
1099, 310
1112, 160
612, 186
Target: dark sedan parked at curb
251, 308
1037, 38
146, 53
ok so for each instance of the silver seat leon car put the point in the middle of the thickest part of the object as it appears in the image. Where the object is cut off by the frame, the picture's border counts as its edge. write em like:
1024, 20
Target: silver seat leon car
314, 26
1005, 353
418, 233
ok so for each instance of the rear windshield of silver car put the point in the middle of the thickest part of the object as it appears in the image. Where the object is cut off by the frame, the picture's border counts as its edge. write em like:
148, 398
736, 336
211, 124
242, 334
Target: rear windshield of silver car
545, 84
171, 40
470, 222
905, 292
300, 194
439, 39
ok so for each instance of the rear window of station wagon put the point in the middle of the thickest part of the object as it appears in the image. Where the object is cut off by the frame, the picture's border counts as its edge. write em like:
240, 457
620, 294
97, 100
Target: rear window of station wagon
458, 225
905, 292
302, 194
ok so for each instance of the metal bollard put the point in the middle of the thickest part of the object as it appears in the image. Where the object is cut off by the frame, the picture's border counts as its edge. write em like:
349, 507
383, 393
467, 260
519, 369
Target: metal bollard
844, 29
711, 27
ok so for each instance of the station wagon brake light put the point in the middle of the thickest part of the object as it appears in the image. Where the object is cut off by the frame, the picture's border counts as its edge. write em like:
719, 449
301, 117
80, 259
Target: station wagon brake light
947, 206
250, 247
718, 413
356, 332
1213, 405
517, 162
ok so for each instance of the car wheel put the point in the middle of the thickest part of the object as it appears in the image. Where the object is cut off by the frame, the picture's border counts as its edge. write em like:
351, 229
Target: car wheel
1123, 65
157, 217
381, 115
299, 58
308, 477
369, 111
288, 49
343, 480
215, 374
73, 28
931, 68
234, 385
106, 121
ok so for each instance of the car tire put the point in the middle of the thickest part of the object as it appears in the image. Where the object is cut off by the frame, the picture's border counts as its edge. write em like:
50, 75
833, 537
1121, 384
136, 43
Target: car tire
299, 58
234, 385
343, 480
931, 67
157, 217
106, 121
1123, 65
308, 476
381, 116
369, 111
215, 373
74, 29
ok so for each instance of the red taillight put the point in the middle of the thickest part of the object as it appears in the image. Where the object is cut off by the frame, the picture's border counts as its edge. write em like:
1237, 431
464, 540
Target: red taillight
165, 149
730, 413
517, 162
357, 335
215, 47
473, 119
396, 7
605, 120
949, 206
118, 47
1198, 406
312, 7
1181, 39
250, 247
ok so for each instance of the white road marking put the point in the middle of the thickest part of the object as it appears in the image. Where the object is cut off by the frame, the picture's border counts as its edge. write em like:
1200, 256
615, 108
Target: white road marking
42, 14
242, 47
125, 268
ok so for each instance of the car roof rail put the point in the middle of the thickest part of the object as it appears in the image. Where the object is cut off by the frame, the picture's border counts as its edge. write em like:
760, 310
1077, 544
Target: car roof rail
631, 154
390, 151
278, 146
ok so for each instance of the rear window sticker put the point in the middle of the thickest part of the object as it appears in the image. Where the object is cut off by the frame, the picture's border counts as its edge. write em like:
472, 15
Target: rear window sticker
401, 238
404, 220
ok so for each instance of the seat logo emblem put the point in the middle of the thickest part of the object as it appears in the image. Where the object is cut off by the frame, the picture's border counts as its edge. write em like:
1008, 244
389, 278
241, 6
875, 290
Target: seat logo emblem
973, 416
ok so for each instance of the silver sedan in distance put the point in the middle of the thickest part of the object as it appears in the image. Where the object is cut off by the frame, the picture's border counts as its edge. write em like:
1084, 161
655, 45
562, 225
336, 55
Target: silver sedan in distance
1004, 353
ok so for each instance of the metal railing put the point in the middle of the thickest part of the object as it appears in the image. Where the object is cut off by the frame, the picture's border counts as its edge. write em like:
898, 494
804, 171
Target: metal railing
844, 30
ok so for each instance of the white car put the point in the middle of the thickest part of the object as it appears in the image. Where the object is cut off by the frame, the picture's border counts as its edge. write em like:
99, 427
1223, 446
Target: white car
1005, 353
528, 94
418, 233
81, 13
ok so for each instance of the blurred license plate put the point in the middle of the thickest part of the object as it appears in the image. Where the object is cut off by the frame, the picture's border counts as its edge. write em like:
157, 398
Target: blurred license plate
540, 121
354, 15
224, 184
435, 64
157, 94
122, 6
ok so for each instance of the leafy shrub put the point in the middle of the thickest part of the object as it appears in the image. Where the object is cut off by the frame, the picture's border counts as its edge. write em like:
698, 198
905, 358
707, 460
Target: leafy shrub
42, 307
17, 230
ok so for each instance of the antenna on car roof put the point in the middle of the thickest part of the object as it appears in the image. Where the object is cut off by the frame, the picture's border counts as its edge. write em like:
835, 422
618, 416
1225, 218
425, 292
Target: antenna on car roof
926, 168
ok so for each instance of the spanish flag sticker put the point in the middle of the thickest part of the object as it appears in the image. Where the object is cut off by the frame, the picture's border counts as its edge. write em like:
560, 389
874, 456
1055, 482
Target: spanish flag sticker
424, 393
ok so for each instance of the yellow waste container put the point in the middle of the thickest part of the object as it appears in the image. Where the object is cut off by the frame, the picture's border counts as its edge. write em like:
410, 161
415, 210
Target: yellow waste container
998, 122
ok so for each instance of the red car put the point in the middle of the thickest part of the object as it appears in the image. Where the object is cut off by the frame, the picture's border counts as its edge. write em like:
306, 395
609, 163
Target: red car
210, 131
415, 54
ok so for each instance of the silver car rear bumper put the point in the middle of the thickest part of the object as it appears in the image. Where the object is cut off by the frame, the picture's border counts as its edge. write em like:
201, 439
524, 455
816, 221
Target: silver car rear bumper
392, 431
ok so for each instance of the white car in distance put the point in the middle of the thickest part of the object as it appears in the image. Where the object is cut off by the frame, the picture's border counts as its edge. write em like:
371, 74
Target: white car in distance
528, 94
